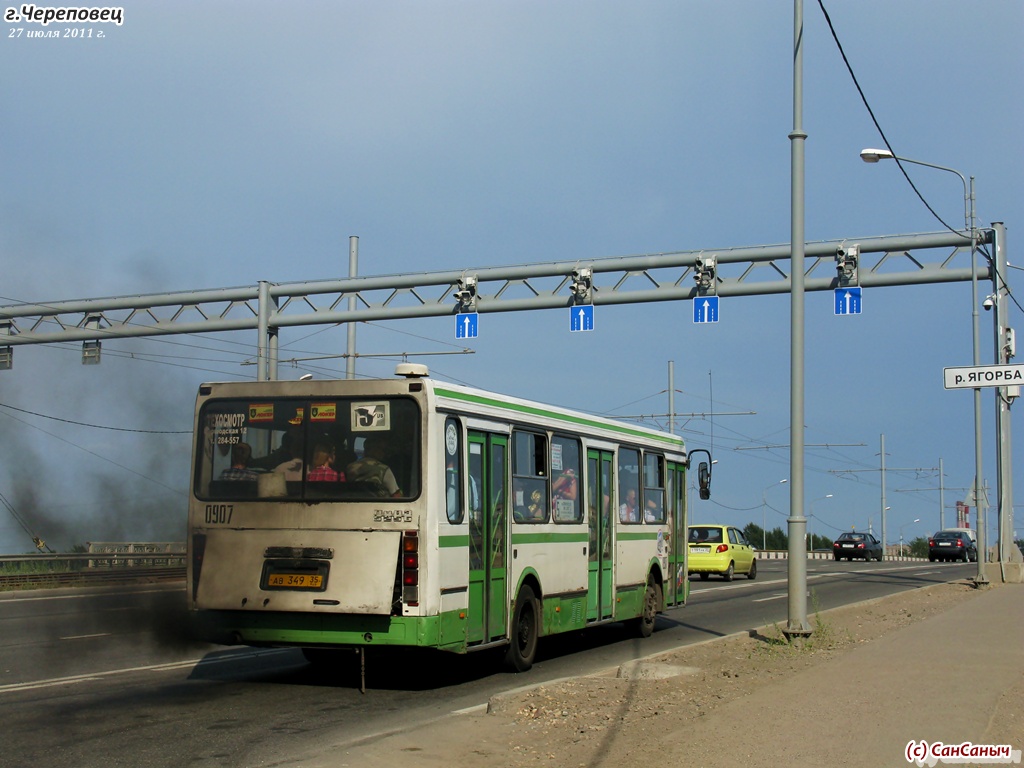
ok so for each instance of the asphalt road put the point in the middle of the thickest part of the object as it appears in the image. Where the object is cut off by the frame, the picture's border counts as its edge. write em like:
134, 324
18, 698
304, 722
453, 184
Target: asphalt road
108, 677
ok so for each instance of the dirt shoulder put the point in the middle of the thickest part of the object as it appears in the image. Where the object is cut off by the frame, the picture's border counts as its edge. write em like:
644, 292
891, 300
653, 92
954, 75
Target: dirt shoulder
646, 714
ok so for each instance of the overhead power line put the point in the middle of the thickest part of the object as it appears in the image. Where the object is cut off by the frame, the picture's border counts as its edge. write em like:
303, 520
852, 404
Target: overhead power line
99, 426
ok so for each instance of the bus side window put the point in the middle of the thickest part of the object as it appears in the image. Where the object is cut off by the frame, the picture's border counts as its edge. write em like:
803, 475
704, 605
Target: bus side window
530, 497
565, 490
629, 481
453, 471
654, 488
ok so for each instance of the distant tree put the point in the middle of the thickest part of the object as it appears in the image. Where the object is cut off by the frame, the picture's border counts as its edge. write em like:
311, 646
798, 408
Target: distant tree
753, 533
777, 539
919, 547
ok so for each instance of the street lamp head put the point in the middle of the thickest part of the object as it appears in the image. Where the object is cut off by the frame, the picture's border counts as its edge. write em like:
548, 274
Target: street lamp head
874, 155
786, 480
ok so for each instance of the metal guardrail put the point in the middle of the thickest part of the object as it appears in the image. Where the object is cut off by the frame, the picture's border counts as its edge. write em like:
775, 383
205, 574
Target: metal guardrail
106, 563
90, 577
783, 554
109, 559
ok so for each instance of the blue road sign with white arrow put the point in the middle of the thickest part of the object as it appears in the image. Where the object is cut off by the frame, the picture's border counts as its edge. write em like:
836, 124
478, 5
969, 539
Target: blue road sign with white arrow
705, 309
581, 318
466, 325
848, 301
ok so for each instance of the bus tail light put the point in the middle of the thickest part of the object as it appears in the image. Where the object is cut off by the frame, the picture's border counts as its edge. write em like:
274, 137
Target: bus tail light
411, 568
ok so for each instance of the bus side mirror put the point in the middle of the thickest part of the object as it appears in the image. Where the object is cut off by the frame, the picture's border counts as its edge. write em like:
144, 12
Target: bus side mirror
703, 472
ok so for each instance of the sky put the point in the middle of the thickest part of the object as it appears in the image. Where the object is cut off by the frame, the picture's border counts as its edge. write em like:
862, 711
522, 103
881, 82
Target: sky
218, 144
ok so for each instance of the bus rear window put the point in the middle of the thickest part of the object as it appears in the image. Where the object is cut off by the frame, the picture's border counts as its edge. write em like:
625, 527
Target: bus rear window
300, 449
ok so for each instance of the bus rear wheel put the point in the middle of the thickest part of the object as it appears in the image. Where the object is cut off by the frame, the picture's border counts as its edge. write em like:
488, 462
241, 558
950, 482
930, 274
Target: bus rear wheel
649, 612
522, 645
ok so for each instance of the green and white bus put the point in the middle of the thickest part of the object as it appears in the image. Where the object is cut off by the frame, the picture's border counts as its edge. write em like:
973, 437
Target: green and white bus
411, 512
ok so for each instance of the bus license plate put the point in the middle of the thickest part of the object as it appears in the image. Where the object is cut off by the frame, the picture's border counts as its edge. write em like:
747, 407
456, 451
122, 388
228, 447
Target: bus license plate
296, 580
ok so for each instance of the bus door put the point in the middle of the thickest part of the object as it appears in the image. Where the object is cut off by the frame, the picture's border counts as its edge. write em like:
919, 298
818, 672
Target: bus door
488, 570
677, 581
600, 492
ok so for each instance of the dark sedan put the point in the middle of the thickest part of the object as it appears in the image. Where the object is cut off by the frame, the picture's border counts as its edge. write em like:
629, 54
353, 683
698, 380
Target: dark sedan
857, 545
950, 545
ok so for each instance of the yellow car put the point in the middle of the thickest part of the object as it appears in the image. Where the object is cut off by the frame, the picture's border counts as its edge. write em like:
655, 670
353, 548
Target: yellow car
719, 549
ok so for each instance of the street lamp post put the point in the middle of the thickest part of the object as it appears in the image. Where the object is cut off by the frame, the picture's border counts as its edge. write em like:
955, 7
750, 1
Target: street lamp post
873, 156
810, 514
918, 520
764, 512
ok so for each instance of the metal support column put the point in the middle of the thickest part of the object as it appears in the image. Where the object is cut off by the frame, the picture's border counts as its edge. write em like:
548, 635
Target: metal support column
797, 627
266, 344
353, 270
262, 323
1008, 551
885, 542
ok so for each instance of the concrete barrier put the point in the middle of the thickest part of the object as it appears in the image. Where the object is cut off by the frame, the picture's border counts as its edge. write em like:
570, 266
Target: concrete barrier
783, 554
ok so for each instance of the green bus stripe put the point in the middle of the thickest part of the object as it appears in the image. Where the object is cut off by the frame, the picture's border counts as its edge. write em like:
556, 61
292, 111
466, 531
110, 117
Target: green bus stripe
541, 537
549, 538
668, 439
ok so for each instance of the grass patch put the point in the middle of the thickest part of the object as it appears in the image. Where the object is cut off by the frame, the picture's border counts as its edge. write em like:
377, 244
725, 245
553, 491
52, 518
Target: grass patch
823, 637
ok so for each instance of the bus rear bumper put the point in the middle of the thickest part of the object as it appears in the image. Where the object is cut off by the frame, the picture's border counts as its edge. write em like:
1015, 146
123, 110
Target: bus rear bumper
325, 630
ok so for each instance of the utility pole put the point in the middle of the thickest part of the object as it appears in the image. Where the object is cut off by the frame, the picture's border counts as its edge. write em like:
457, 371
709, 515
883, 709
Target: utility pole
1010, 558
798, 627
884, 508
882, 469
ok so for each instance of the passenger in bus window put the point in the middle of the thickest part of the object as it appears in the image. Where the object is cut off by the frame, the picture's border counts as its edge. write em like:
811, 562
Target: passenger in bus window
528, 501
652, 510
372, 470
535, 509
563, 494
291, 468
290, 447
239, 469
322, 471
628, 511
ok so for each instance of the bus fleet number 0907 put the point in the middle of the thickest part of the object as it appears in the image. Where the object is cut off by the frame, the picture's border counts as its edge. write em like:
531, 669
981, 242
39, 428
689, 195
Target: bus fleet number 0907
219, 514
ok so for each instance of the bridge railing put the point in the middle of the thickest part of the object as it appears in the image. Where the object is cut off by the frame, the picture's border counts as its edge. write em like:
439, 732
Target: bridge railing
783, 554
105, 562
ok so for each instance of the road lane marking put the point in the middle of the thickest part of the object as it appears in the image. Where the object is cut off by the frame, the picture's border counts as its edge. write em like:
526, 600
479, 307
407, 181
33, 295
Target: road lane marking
166, 667
85, 637
696, 590
35, 598
741, 585
776, 596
